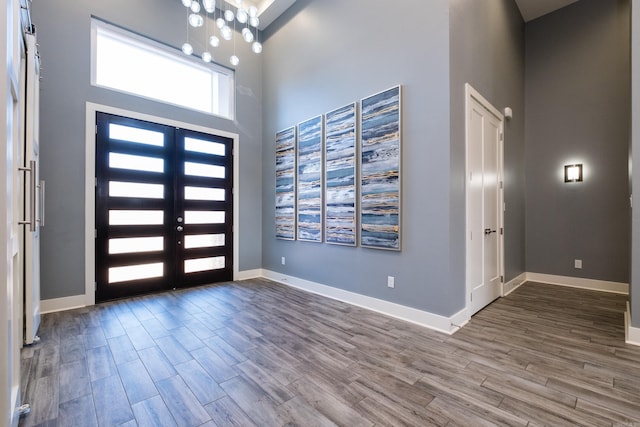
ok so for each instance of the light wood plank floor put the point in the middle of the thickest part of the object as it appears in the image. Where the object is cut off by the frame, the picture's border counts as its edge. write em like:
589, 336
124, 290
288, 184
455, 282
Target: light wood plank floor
258, 353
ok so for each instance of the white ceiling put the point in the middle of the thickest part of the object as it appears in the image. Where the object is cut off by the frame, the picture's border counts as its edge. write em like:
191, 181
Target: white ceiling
532, 9
268, 10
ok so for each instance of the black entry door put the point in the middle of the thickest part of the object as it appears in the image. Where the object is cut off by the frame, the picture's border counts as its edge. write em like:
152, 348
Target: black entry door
164, 207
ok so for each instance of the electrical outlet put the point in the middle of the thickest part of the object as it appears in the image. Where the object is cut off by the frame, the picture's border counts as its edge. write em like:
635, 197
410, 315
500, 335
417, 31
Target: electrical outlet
577, 263
284, 261
391, 281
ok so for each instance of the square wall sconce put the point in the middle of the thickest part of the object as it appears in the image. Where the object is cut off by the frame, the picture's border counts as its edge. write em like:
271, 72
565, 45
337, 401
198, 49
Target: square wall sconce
573, 173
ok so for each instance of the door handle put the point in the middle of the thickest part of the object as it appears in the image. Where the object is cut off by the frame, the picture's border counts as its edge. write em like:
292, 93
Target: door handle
488, 231
31, 222
42, 195
179, 228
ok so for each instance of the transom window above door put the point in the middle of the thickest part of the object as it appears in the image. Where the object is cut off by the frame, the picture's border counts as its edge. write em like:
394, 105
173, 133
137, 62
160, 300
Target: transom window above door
129, 63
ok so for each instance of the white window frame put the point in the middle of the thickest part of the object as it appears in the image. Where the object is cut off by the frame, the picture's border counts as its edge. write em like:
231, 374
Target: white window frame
222, 77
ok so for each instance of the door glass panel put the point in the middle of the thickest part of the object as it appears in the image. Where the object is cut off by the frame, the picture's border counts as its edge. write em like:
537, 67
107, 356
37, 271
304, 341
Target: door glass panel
139, 136
203, 193
202, 146
204, 217
118, 217
136, 189
203, 264
201, 169
203, 241
135, 272
135, 244
139, 163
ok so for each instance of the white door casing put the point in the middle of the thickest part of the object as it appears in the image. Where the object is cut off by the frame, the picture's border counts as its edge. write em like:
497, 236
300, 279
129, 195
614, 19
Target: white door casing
90, 159
484, 201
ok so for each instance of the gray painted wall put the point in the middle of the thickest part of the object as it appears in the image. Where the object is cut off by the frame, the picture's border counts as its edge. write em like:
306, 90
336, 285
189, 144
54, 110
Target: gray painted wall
487, 51
64, 37
315, 61
577, 108
322, 54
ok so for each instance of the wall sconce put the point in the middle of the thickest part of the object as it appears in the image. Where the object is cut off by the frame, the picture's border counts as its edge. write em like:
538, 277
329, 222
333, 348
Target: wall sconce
573, 173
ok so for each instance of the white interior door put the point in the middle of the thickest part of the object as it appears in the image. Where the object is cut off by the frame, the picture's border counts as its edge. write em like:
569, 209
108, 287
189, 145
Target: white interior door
485, 232
10, 333
33, 195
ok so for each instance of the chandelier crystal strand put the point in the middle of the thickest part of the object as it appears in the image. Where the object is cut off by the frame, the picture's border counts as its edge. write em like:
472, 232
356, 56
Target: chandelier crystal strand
234, 59
214, 41
187, 49
206, 55
256, 47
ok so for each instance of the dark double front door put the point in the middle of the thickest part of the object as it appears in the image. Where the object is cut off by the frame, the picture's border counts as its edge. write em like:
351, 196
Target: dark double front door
164, 207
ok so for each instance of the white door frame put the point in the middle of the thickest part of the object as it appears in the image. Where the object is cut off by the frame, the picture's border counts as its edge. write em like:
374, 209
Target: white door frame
89, 298
470, 95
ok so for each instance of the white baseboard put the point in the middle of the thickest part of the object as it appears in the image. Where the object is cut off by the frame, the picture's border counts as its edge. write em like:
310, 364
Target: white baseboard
250, 274
578, 282
514, 284
631, 334
437, 322
62, 304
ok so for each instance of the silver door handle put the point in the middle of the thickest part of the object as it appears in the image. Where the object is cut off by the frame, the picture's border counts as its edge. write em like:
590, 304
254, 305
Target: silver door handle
32, 196
42, 194
488, 231
179, 228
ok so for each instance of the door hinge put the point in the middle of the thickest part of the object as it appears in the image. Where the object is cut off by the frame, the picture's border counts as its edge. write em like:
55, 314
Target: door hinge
501, 136
95, 286
96, 182
96, 129
501, 185
95, 233
501, 231
501, 279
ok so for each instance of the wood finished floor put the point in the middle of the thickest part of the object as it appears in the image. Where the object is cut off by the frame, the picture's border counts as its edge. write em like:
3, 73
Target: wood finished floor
258, 353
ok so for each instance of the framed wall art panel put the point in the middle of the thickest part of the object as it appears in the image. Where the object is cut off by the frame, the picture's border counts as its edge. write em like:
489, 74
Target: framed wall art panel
309, 178
340, 176
286, 184
380, 162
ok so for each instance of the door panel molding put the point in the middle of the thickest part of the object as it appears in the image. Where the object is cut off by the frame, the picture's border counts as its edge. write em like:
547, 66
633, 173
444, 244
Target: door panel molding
90, 161
483, 222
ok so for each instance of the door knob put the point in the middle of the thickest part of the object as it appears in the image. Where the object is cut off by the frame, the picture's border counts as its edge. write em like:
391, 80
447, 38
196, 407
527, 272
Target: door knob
488, 231
179, 219
179, 228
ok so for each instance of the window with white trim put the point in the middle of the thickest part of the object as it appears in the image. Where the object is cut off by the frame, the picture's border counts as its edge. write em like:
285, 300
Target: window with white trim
127, 62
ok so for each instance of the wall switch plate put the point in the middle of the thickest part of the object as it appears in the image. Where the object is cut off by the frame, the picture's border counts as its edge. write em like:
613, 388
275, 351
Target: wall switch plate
391, 281
577, 263
284, 261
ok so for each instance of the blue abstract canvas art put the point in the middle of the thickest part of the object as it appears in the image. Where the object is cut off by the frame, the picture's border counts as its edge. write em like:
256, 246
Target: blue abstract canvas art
340, 176
309, 192
380, 157
285, 184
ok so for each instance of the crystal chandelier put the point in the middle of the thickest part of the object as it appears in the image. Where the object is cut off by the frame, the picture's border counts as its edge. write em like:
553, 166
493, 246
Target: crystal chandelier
224, 20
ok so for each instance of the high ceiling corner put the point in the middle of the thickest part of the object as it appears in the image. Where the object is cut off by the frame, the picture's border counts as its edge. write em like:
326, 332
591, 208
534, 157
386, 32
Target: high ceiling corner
268, 10
532, 9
